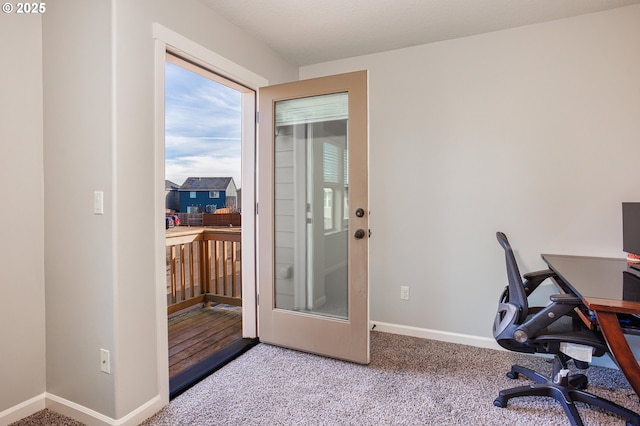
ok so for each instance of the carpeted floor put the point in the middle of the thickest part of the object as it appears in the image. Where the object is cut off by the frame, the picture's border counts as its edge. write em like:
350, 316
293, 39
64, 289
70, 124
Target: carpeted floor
47, 417
410, 381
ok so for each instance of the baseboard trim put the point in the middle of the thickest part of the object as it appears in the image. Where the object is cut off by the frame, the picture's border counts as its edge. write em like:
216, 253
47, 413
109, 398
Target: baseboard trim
78, 412
91, 417
22, 410
137, 416
463, 339
444, 336
319, 302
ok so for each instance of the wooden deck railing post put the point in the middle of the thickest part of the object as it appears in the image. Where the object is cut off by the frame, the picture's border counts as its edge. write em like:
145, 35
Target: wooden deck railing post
174, 290
216, 267
183, 284
192, 283
206, 266
225, 261
210, 260
235, 290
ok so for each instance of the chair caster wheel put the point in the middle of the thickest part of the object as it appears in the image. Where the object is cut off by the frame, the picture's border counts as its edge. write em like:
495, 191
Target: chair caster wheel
499, 403
579, 381
582, 386
512, 374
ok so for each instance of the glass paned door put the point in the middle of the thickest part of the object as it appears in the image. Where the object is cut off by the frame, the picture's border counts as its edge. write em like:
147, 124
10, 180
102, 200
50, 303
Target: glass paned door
311, 243
313, 216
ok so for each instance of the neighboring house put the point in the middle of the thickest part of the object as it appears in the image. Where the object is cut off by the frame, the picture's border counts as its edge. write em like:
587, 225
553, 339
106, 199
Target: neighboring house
171, 196
207, 194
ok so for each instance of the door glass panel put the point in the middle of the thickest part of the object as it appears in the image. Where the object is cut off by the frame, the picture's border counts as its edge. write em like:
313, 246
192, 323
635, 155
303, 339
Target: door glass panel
311, 187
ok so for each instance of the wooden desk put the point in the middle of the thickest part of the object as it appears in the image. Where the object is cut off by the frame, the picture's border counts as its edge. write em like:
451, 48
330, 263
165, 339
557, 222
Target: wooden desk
601, 284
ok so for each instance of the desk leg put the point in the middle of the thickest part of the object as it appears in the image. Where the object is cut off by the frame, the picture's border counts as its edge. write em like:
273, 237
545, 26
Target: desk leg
622, 355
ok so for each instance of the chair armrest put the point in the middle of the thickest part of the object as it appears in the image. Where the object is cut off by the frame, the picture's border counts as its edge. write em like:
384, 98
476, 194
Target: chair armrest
562, 304
541, 275
565, 299
533, 279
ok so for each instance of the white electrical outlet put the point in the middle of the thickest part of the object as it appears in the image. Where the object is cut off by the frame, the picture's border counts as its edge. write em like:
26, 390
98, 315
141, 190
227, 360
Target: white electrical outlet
404, 292
105, 361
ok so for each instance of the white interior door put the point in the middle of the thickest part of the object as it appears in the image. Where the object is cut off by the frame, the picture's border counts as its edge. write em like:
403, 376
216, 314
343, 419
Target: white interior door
313, 216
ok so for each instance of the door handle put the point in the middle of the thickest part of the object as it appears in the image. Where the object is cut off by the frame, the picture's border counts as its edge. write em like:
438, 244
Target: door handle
359, 234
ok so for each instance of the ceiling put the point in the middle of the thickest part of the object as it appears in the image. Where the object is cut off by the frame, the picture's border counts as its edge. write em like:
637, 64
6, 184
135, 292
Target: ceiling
306, 32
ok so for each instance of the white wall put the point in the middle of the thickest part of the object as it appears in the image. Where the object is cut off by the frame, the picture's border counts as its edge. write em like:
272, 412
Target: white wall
22, 330
533, 131
78, 159
99, 134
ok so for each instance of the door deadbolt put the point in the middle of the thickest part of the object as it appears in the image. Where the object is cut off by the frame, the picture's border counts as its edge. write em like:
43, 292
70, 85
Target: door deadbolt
360, 212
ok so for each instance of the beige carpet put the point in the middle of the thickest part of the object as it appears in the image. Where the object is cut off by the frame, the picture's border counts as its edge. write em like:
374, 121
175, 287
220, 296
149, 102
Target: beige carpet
410, 381
47, 417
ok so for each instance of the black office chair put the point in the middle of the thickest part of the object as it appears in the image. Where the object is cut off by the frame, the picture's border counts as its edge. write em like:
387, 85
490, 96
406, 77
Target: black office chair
547, 330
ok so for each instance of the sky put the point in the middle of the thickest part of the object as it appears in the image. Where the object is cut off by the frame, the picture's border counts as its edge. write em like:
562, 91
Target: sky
202, 127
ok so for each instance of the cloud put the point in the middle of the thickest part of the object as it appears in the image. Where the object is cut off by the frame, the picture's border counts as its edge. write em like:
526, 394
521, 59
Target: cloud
202, 127
189, 146
206, 157
178, 170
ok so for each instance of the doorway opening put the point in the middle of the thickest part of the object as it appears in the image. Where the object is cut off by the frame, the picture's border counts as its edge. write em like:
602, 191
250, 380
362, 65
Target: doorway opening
204, 114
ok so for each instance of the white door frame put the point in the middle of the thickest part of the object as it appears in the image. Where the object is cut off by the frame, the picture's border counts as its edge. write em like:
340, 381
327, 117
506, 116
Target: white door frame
167, 40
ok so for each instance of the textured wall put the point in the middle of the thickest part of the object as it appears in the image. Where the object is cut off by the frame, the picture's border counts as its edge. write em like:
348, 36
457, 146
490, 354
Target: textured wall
533, 131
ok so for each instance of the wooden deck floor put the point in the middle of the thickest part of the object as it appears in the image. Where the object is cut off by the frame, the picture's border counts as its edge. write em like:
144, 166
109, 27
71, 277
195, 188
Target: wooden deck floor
196, 334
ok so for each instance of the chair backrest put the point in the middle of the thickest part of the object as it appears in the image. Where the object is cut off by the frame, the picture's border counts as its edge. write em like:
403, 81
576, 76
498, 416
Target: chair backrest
517, 295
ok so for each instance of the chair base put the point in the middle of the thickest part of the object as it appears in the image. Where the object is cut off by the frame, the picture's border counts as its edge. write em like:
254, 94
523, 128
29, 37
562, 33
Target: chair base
567, 391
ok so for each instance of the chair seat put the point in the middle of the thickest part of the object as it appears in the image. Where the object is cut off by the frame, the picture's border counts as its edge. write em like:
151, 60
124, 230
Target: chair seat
568, 329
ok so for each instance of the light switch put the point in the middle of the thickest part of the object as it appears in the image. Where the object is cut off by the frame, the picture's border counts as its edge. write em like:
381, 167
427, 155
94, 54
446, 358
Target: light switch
98, 202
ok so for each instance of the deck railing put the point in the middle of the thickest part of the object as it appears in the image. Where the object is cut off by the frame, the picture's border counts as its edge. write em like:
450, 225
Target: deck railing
203, 265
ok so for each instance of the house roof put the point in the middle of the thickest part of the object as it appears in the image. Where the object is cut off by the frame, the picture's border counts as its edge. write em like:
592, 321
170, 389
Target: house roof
170, 186
206, 184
